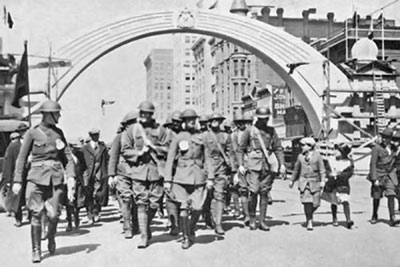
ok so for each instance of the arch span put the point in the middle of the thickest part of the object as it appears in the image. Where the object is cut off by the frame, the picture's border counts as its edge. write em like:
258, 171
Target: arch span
273, 45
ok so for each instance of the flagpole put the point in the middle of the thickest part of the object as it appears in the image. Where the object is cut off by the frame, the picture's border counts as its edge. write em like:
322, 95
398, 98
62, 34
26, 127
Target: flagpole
346, 40
383, 36
27, 81
48, 76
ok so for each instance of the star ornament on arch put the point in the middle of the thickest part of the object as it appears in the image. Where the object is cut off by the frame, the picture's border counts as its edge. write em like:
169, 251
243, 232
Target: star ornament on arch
293, 66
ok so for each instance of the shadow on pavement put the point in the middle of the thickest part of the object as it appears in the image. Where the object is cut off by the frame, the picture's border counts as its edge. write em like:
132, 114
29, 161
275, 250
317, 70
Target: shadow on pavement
74, 232
273, 223
88, 248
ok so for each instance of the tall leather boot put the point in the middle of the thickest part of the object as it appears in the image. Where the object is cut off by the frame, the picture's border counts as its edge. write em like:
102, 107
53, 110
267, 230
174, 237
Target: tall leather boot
134, 216
51, 236
186, 242
172, 210
346, 210
208, 220
143, 226
236, 204
245, 205
194, 218
126, 215
44, 224
69, 210
263, 212
150, 215
36, 242
308, 210
334, 215
252, 210
76, 217
219, 210
375, 207
392, 218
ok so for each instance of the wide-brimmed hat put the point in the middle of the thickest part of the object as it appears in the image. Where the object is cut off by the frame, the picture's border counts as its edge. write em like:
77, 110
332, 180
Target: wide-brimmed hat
94, 131
343, 148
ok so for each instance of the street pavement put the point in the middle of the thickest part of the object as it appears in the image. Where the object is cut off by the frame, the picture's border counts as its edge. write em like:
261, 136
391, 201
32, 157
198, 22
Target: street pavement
287, 244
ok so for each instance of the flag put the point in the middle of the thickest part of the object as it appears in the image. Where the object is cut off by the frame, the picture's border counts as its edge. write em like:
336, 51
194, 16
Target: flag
22, 82
371, 30
10, 21
356, 19
213, 6
4, 15
105, 102
380, 21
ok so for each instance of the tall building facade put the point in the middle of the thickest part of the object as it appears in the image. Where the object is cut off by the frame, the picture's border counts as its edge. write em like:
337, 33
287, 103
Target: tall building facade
159, 73
184, 67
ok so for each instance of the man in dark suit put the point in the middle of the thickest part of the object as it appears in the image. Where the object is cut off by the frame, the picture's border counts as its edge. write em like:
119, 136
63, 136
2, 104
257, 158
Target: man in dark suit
96, 176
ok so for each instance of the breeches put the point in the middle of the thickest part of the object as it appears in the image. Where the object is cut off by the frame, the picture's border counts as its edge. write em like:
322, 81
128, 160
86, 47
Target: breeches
386, 187
220, 187
145, 193
259, 181
191, 197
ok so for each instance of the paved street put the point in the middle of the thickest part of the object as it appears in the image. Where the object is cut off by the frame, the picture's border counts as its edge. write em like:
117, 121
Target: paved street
287, 244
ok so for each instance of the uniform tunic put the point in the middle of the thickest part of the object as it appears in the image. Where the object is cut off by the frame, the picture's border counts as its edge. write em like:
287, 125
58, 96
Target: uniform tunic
309, 171
243, 184
49, 155
188, 181
259, 175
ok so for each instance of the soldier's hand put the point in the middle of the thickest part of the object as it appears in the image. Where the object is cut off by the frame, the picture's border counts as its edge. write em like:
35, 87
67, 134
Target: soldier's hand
16, 188
111, 182
210, 184
291, 184
167, 186
242, 170
376, 183
71, 189
322, 184
235, 178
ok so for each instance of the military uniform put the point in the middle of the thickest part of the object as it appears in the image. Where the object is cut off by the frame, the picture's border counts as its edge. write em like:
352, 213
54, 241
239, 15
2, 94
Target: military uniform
221, 166
259, 175
95, 178
144, 171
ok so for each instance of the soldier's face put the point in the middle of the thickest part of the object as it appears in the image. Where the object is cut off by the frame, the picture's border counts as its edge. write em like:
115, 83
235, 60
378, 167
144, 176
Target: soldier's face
145, 116
305, 148
51, 118
241, 126
190, 123
215, 124
95, 137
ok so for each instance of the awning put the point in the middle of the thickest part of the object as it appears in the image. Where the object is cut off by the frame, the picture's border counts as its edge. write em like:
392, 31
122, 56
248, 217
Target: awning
10, 125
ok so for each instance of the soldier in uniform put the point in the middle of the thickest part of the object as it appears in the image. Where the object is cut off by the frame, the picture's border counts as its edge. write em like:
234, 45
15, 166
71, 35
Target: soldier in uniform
242, 122
141, 148
187, 181
118, 178
49, 152
10, 159
96, 183
203, 120
260, 142
309, 169
396, 148
218, 147
382, 176
172, 206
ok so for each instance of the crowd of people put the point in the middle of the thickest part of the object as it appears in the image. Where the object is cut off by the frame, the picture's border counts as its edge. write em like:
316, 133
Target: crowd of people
192, 165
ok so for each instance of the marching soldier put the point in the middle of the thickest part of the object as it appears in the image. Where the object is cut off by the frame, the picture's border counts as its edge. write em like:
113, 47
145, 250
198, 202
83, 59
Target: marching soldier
96, 183
396, 148
173, 207
141, 149
261, 143
383, 176
203, 120
242, 122
118, 178
10, 159
218, 147
49, 151
187, 182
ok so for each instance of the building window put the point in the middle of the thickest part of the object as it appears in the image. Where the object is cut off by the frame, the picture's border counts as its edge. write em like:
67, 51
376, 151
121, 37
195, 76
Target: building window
187, 76
235, 92
161, 96
242, 88
169, 106
235, 68
248, 69
187, 88
168, 95
187, 39
242, 68
187, 101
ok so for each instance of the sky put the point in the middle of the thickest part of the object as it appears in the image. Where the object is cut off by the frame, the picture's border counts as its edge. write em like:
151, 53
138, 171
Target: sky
121, 75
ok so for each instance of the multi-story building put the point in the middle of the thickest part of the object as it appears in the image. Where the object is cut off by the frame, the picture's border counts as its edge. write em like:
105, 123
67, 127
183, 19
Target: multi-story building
159, 73
184, 79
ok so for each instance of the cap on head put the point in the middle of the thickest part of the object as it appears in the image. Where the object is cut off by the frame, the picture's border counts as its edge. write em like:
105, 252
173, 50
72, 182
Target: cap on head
146, 106
75, 142
216, 116
388, 132
131, 115
176, 116
94, 131
263, 112
50, 106
188, 114
14, 135
343, 148
308, 141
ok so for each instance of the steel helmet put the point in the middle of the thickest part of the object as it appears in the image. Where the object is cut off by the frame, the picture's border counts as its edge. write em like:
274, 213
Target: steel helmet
176, 116
216, 116
247, 117
263, 112
131, 115
188, 113
50, 106
146, 106
203, 118
238, 117
387, 132
227, 124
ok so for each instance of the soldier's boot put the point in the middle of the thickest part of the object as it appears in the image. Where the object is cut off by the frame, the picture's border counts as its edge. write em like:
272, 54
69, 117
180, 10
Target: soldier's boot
44, 224
263, 213
252, 210
334, 215
219, 210
76, 218
51, 236
308, 210
194, 218
134, 216
151, 213
186, 242
375, 207
392, 221
172, 210
69, 210
245, 204
236, 204
126, 215
346, 210
208, 220
270, 198
36, 242
143, 226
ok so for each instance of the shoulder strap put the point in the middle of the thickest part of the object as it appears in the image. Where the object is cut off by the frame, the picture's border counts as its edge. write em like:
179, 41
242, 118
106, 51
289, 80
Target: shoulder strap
270, 157
214, 137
